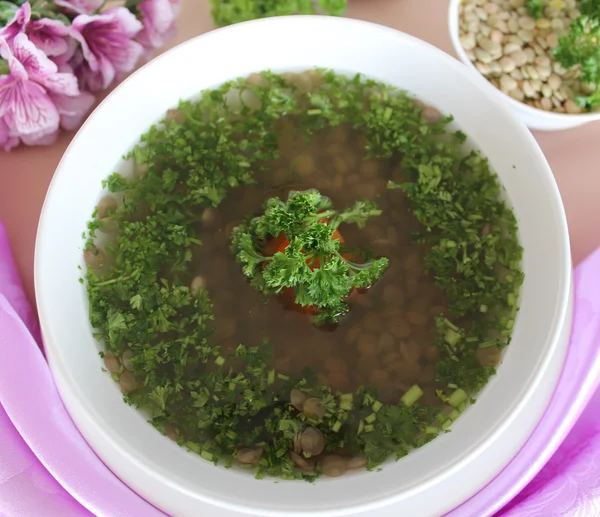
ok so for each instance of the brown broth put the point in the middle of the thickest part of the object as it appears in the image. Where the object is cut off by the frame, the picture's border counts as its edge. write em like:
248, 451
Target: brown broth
386, 341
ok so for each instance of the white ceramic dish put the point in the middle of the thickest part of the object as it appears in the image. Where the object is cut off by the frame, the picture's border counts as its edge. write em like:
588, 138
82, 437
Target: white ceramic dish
429, 481
533, 118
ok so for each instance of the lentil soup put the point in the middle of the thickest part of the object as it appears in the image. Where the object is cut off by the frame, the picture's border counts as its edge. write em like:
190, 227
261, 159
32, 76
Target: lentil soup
240, 369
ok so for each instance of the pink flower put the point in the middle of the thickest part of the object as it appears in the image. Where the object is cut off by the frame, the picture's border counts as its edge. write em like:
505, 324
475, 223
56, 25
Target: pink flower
51, 36
35, 98
107, 46
158, 17
79, 6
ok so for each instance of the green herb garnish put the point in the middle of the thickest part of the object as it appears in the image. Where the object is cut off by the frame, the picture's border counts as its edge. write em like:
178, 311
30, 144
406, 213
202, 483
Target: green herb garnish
308, 257
581, 47
228, 12
535, 8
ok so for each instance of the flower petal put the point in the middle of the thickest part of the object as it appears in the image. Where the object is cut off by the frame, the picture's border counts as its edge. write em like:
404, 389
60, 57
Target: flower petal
72, 110
159, 14
62, 83
7, 84
64, 58
107, 72
80, 25
32, 58
50, 36
40, 139
15, 67
89, 79
128, 24
18, 23
27, 108
79, 6
126, 57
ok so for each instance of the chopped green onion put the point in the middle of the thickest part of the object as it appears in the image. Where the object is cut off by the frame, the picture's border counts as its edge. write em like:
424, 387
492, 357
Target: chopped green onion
458, 397
376, 406
454, 414
411, 396
193, 447
220, 361
361, 426
271, 377
451, 325
346, 401
371, 418
452, 337
336, 427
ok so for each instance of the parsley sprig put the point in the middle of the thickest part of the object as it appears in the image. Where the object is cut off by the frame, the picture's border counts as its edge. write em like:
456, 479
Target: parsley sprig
581, 47
312, 262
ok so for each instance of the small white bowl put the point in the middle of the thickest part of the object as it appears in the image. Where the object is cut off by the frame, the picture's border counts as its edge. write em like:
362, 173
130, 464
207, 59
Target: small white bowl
429, 481
533, 118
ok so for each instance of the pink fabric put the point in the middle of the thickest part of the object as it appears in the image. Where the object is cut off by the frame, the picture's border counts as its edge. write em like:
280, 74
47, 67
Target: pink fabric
569, 483
48, 470
46, 467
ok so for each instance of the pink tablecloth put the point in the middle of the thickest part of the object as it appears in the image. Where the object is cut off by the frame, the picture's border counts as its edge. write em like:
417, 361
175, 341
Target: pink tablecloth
46, 468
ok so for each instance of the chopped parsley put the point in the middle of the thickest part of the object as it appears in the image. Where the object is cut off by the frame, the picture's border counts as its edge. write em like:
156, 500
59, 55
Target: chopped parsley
159, 333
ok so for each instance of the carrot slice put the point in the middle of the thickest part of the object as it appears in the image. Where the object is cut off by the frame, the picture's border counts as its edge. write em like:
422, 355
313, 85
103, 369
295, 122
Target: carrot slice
288, 296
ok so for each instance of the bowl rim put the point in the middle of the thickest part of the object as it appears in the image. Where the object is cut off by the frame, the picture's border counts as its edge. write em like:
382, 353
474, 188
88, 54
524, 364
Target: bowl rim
44, 303
454, 30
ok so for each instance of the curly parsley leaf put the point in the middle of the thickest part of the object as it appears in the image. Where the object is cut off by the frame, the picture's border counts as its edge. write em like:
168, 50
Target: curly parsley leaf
312, 262
581, 47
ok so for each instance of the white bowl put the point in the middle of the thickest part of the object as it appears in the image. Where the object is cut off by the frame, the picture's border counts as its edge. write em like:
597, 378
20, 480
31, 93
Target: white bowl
533, 118
430, 480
